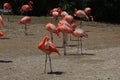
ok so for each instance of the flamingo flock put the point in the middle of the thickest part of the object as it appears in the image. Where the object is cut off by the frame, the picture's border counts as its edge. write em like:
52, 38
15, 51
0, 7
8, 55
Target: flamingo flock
67, 24
64, 23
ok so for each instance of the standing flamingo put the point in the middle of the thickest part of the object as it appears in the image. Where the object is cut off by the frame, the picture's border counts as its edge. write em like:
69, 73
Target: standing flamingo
25, 20
88, 12
48, 47
79, 33
51, 28
81, 14
63, 27
27, 7
72, 22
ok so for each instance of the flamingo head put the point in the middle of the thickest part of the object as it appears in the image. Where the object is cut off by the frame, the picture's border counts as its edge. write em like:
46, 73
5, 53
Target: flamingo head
46, 38
31, 2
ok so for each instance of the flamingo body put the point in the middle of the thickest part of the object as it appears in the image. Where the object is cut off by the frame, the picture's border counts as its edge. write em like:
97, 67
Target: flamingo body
51, 27
7, 6
25, 20
25, 8
68, 18
55, 14
64, 29
63, 14
87, 10
47, 47
80, 13
79, 33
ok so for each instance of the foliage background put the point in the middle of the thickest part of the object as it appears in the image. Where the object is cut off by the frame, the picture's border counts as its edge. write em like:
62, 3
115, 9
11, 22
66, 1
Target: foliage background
102, 10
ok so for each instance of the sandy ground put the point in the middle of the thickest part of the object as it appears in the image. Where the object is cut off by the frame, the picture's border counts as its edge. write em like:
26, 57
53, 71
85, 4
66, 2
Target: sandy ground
20, 58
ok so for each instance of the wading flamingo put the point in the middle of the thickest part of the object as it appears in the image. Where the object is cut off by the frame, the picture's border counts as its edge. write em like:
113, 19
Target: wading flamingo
25, 20
48, 47
88, 12
79, 33
27, 7
52, 29
81, 14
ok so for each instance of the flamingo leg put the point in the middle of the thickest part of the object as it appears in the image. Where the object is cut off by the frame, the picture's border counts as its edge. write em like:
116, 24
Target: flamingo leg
71, 38
50, 64
45, 64
25, 29
80, 23
8, 16
64, 44
78, 45
56, 21
81, 45
51, 37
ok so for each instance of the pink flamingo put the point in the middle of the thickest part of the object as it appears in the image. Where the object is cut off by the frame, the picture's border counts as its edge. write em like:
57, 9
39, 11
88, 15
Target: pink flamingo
81, 14
88, 12
7, 6
25, 20
51, 28
48, 47
79, 33
65, 29
72, 22
27, 7
55, 13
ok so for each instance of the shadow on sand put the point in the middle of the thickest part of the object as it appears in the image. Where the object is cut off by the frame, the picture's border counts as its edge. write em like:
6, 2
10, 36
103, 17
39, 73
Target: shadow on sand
56, 73
89, 54
67, 46
4, 38
29, 34
5, 61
